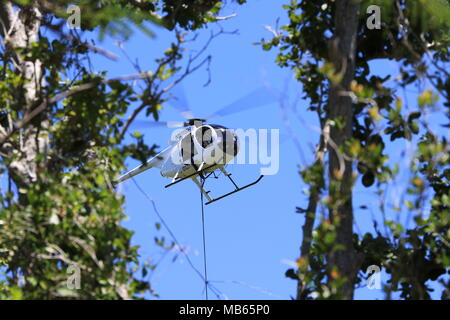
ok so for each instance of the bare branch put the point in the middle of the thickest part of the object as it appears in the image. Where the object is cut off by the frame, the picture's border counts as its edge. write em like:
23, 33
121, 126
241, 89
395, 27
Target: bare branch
43, 106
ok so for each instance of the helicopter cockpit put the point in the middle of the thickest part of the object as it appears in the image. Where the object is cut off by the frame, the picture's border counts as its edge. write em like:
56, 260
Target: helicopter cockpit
206, 136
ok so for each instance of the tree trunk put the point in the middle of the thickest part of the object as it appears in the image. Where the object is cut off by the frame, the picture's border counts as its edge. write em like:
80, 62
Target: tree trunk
19, 29
342, 55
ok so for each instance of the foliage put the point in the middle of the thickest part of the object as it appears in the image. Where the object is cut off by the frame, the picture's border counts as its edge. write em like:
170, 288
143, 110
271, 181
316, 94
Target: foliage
414, 34
62, 144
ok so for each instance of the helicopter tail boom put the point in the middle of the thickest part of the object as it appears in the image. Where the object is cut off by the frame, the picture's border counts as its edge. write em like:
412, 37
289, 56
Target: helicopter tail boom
155, 161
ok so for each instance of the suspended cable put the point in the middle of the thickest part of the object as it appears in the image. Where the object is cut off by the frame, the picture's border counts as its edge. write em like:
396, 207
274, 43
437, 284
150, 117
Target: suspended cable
216, 291
249, 286
204, 240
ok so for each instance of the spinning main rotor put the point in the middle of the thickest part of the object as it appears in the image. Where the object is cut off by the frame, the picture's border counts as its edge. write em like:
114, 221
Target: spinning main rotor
257, 98
195, 146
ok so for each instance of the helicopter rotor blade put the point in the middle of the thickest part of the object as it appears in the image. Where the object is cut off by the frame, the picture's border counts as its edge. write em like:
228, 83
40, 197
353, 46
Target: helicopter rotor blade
158, 124
179, 101
257, 98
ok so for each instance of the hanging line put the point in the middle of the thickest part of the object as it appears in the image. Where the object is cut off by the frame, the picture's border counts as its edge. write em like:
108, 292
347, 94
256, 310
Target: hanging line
204, 239
215, 290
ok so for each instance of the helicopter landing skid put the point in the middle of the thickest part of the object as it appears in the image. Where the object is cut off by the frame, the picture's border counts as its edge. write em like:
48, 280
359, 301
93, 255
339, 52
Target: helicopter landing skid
193, 175
236, 186
206, 193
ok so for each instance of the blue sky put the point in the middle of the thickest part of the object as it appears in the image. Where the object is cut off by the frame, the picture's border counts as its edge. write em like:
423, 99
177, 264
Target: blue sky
251, 236
254, 235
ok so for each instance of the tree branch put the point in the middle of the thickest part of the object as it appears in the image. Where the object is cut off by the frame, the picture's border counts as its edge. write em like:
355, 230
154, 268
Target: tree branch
43, 106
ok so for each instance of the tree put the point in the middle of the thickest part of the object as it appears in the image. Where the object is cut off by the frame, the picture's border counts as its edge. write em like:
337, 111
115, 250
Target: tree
62, 132
329, 47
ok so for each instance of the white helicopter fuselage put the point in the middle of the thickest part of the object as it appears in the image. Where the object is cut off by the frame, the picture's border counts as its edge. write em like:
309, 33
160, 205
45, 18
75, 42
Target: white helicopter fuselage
193, 149
201, 148
205, 148
171, 169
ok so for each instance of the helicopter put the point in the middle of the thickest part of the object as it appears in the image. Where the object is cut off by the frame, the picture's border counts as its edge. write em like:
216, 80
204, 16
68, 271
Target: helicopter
198, 149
